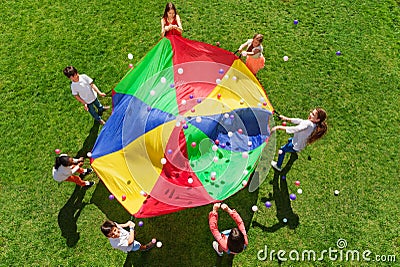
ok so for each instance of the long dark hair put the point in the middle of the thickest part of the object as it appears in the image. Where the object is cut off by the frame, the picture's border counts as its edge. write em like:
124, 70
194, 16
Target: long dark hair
107, 227
168, 7
236, 241
62, 160
257, 36
321, 128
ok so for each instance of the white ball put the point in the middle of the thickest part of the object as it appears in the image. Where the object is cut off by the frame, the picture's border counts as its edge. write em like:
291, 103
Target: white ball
226, 115
215, 159
245, 155
299, 191
254, 208
152, 92
180, 71
198, 119
177, 124
218, 81
183, 102
190, 180
214, 147
230, 134
226, 76
285, 58
130, 56
89, 154
244, 183
213, 174
249, 143
163, 161
159, 244
163, 80
245, 172
234, 78
337, 192
284, 220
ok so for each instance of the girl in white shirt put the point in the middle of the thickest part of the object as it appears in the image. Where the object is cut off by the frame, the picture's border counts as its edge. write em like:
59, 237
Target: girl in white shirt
65, 167
252, 49
305, 132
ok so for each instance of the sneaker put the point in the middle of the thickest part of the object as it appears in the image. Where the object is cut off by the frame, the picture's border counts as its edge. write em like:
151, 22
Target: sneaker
87, 172
274, 165
100, 112
215, 246
148, 246
89, 185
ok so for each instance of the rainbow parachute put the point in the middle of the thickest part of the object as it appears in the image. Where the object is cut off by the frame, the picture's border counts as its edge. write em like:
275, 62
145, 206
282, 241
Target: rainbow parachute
189, 124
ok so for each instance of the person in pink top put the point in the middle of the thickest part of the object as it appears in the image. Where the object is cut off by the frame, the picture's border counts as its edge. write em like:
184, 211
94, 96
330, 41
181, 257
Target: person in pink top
231, 241
171, 22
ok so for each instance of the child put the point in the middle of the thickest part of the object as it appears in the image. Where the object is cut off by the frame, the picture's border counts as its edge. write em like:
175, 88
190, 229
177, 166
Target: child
85, 91
65, 167
171, 22
122, 239
230, 241
255, 59
306, 132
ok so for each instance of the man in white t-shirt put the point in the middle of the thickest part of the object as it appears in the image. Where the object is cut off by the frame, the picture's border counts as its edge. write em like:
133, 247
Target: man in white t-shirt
85, 91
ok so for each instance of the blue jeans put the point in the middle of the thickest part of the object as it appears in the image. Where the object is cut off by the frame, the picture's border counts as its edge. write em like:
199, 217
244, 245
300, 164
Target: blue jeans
92, 111
286, 148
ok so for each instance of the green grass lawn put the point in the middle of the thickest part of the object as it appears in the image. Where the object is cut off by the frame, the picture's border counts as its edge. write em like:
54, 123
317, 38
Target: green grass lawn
47, 224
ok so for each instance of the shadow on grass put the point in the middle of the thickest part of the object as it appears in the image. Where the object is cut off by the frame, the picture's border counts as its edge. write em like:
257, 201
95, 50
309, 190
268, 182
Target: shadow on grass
282, 200
69, 214
185, 235
89, 141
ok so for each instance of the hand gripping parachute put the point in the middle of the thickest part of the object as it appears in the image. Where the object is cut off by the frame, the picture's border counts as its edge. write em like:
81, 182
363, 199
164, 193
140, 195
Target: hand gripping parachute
188, 127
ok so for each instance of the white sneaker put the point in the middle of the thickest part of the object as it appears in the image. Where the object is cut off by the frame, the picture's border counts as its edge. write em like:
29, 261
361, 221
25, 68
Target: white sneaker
274, 165
215, 246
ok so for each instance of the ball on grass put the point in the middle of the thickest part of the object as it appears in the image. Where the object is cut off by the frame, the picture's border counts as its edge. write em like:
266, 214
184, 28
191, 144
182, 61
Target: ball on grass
299, 191
292, 197
295, 22
297, 183
89, 154
140, 223
153, 240
130, 56
111, 197
159, 244
254, 208
57, 151
285, 58
268, 204
336, 192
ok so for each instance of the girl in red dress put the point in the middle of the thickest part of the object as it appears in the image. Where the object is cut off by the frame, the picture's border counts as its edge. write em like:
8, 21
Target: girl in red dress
171, 22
